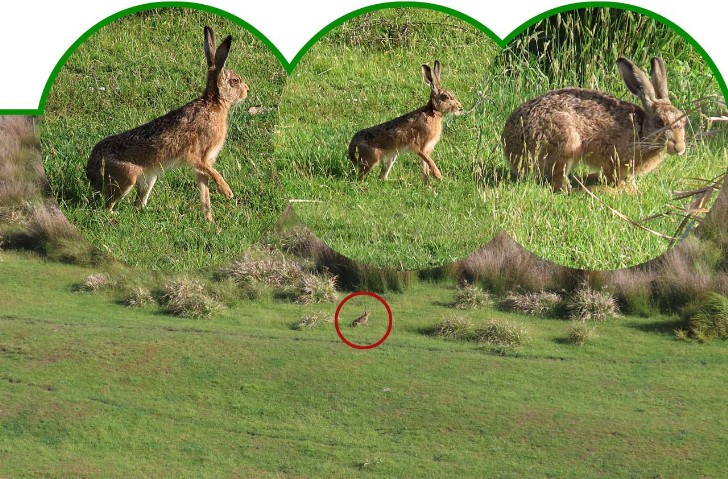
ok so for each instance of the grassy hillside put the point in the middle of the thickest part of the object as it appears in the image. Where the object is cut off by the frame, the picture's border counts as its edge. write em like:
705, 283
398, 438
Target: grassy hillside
91, 388
138, 68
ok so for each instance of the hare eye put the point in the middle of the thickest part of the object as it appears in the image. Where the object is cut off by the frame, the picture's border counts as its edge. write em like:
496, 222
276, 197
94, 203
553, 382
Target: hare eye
659, 122
444, 96
235, 81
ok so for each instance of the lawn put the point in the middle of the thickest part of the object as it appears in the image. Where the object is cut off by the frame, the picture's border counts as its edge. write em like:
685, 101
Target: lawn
90, 388
366, 70
135, 69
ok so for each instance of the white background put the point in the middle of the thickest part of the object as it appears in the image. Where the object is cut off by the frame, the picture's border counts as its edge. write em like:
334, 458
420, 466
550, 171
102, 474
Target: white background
34, 35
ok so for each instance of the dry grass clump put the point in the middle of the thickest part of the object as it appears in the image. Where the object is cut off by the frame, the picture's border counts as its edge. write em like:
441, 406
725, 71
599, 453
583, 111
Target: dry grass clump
471, 296
587, 304
633, 290
312, 320
707, 318
268, 267
188, 298
316, 288
139, 297
502, 336
95, 282
580, 332
534, 303
686, 272
453, 327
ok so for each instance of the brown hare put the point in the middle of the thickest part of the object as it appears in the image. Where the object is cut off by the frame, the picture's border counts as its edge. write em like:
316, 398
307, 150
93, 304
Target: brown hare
555, 131
417, 131
361, 320
191, 135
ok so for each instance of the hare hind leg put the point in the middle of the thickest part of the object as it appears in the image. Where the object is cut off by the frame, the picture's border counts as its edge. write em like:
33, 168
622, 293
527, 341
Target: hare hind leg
387, 164
144, 184
118, 180
367, 159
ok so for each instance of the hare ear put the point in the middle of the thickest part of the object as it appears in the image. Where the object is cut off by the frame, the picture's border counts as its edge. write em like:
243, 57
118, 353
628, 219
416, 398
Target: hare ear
209, 46
427, 75
222, 53
637, 81
659, 79
436, 73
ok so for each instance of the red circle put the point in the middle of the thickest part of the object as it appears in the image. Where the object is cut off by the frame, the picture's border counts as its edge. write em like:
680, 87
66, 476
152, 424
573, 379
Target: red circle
365, 346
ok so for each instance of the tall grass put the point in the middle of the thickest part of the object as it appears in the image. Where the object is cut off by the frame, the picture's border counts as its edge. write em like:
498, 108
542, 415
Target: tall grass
29, 217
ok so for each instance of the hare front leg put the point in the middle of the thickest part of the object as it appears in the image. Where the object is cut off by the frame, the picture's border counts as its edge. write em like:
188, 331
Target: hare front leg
426, 160
217, 177
204, 195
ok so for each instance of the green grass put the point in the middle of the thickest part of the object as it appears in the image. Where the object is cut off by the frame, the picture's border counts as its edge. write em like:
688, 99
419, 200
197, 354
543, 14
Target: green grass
367, 71
91, 388
138, 68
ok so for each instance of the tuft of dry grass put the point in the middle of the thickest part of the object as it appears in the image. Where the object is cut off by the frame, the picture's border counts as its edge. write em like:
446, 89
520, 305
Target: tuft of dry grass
534, 303
316, 288
288, 278
266, 266
580, 332
187, 298
95, 282
312, 320
139, 297
471, 296
502, 336
587, 304
453, 327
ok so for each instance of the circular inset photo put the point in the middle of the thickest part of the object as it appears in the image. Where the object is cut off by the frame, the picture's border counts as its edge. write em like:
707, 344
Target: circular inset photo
599, 151
378, 129
157, 137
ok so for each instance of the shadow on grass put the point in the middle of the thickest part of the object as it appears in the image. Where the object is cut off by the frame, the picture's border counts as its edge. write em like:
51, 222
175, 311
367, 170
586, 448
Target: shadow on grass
665, 326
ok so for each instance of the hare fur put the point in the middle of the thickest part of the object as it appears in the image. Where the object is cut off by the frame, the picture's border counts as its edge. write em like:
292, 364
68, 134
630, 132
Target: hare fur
555, 131
191, 135
417, 131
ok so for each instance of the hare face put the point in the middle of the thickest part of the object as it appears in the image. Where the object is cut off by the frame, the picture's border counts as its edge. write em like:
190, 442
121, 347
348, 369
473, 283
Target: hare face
445, 101
231, 87
666, 128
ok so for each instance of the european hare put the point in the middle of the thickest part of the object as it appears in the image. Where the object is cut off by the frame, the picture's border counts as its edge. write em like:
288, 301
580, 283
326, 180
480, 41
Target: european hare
553, 132
190, 136
361, 320
417, 131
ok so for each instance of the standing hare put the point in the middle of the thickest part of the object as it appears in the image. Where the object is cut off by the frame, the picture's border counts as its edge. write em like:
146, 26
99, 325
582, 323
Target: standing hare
191, 135
553, 132
417, 131
361, 320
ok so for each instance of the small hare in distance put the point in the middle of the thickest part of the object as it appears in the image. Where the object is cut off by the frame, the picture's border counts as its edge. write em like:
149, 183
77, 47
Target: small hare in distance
361, 320
417, 131
191, 136
554, 132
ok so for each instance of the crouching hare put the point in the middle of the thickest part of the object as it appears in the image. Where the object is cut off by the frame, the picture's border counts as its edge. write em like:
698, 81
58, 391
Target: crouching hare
555, 131
191, 135
417, 131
